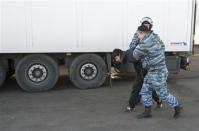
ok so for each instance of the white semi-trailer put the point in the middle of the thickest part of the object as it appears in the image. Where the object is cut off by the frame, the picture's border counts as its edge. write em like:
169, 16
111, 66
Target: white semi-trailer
196, 38
38, 35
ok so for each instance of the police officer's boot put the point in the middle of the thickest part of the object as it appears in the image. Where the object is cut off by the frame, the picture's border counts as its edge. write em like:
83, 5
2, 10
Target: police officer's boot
178, 110
145, 114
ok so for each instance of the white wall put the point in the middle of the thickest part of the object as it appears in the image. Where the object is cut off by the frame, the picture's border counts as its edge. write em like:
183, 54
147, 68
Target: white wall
197, 25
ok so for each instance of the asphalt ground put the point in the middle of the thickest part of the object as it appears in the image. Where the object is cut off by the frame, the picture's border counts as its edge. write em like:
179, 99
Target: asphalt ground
66, 108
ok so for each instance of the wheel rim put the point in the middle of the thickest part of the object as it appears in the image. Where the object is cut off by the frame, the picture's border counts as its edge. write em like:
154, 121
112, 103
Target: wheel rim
37, 73
88, 71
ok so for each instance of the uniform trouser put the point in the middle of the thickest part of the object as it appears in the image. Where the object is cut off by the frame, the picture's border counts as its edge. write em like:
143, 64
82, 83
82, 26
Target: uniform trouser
135, 97
156, 80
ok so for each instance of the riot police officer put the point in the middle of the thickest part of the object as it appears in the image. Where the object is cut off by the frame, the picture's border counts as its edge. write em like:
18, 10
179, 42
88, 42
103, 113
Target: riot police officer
151, 52
134, 98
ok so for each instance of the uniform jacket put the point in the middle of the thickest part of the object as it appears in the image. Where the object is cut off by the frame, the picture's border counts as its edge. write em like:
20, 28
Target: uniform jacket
151, 52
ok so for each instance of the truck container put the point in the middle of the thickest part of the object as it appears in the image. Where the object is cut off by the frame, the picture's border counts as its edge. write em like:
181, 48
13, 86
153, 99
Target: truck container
37, 36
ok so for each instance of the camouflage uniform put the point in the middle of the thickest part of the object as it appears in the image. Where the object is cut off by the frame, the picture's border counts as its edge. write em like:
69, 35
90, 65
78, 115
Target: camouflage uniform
134, 41
150, 51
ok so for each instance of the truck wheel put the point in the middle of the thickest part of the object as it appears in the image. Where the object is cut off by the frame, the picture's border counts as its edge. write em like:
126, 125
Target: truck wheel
36, 73
88, 71
2, 73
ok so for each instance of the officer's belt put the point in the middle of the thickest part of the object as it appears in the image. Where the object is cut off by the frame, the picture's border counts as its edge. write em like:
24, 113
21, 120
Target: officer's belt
157, 67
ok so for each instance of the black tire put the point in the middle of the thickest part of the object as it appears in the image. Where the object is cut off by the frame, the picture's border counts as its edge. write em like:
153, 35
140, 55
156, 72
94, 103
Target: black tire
2, 73
36, 73
88, 71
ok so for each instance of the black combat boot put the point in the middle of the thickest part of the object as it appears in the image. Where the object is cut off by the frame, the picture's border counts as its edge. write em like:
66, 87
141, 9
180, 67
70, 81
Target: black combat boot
159, 104
145, 114
178, 110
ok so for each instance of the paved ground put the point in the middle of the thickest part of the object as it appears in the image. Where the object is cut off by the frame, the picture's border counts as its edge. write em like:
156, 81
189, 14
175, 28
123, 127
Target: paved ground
66, 108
